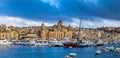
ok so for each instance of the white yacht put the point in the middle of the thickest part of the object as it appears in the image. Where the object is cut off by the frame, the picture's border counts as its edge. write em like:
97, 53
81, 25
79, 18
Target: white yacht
55, 43
31, 43
41, 43
99, 43
4, 41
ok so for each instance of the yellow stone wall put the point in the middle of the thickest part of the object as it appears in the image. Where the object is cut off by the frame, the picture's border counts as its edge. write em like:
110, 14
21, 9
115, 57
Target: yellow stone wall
4, 35
43, 35
14, 35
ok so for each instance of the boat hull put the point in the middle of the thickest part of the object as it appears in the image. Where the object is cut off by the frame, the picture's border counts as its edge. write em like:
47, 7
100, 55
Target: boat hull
82, 46
96, 45
69, 45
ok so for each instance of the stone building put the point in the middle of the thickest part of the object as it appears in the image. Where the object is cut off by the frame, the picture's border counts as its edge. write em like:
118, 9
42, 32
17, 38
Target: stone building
58, 31
8, 35
8, 32
4, 35
89, 33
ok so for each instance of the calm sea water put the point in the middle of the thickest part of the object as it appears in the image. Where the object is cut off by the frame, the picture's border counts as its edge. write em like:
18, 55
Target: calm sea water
17, 51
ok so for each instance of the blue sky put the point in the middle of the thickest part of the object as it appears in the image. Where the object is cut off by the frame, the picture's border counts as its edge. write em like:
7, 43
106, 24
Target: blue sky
93, 13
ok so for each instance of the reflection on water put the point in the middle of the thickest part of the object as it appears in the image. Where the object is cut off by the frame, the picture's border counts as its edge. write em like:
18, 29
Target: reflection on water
17, 51
5, 47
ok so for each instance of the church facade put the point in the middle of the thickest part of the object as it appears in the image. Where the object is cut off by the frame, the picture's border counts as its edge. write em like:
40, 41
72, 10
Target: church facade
58, 31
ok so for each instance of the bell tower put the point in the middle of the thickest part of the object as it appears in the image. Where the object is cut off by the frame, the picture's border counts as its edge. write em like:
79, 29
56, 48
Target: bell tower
60, 22
43, 31
43, 26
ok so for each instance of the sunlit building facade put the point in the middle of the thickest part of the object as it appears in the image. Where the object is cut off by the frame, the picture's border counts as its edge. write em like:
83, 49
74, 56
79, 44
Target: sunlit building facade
58, 31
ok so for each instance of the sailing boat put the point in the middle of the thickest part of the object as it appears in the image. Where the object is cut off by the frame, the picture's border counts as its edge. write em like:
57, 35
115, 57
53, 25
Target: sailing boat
80, 42
72, 43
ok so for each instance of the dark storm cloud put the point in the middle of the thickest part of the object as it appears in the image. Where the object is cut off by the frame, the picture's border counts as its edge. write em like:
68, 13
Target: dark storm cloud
32, 9
109, 9
36, 9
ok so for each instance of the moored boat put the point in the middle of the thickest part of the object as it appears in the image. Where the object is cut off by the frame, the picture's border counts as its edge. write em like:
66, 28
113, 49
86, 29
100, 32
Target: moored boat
83, 44
5, 42
98, 52
31, 43
98, 43
71, 55
55, 43
110, 48
41, 43
105, 50
70, 44
117, 50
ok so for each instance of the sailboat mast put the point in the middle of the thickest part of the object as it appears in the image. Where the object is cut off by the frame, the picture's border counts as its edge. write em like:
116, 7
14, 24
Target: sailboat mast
89, 37
113, 35
79, 29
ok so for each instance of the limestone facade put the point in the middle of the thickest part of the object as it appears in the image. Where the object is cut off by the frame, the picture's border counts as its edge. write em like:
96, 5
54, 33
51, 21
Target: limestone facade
58, 31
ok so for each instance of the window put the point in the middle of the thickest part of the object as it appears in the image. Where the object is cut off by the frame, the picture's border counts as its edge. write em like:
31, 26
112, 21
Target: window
3, 35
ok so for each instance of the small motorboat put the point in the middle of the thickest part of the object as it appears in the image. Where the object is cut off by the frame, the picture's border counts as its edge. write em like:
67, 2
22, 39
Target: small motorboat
105, 50
98, 43
71, 55
67, 56
110, 48
98, 52
117, 50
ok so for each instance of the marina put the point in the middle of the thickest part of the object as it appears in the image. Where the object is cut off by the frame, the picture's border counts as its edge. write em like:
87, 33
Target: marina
22, 51
58, 49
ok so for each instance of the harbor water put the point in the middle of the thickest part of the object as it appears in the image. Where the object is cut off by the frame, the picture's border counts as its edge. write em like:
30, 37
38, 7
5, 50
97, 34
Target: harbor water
19, 51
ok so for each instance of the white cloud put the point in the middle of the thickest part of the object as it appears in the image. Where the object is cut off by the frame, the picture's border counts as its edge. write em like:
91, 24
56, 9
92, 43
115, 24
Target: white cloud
109, 23
16, 21
54, 3
94, 24
92, 1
